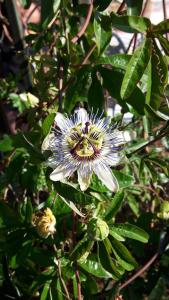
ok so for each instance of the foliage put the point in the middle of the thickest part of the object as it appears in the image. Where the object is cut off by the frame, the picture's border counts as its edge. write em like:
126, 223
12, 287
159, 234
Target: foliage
101, 238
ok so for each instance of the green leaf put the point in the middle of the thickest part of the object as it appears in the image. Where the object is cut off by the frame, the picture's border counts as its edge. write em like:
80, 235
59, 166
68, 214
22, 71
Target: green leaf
6, 144
47, 123
123, 256
131, 231
42, 257
162, 27
164, 43
112, 81
115, 205
92, 266
48, 11
7, 215
29, 211
102, 37
58, 291
45, 290
26, 3
72, 206
96, 95
136, 68
82, 250
133, 203
157, 78
117, 236
123, 179
130, 23
119, 61
134, 7
156, 113
102, 5
135, 147
159, 290
107, 262
78, 87
71, 194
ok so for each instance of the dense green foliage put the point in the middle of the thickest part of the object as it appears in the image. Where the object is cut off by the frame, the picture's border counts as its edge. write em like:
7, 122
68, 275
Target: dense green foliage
101, 238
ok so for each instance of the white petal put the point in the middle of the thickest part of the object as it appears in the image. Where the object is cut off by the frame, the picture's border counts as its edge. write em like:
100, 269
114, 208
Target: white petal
62, 122
122, 137
113, 159
52, 162
105, 175
81, 116
129, 135
60, 173
84, 177
46, 142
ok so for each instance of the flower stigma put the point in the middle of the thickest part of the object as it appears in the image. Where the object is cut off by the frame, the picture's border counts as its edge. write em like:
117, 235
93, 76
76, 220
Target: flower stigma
85, 144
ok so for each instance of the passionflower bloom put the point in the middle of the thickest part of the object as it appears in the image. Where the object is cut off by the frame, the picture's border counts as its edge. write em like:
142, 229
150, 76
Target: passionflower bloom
44, 222
86, 144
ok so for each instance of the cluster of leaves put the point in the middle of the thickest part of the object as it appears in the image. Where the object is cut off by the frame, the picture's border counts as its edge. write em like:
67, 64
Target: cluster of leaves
100, 237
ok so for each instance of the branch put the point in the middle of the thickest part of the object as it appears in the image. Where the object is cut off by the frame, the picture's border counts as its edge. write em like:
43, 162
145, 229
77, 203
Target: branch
60, 273
158, 137
74, 232
84, 26
139, 272
71, 79
165, 13
135, 34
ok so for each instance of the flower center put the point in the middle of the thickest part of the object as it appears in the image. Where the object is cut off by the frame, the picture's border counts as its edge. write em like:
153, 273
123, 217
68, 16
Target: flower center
85, 142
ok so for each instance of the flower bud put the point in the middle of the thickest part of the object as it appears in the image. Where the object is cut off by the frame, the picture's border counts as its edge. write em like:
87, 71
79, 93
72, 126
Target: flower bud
164, 211
97, 229
45, 222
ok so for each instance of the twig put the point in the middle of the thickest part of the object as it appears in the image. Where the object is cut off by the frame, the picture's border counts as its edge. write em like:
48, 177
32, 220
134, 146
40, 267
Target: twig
164, 13
135, 42
60, 87
139, 272
30, 14
74, 231
158, 137
135, 34
78, 283
84, 26
71, 79
60, 273
121, 7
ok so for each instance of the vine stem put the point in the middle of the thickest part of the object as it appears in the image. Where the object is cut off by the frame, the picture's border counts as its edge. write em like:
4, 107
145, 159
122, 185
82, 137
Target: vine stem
164, 13
74, 231
140, 271
60, 273
158, 137
84, 26
134, 38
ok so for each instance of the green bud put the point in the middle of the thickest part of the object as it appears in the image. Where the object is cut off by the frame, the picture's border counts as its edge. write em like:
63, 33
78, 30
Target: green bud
164, 211
97, 229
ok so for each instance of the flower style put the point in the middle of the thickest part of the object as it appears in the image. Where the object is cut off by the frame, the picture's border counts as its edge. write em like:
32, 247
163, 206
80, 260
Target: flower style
86, 144
45, 222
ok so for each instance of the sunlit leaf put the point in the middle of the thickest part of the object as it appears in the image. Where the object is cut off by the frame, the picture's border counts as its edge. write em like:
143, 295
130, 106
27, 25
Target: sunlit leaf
136, 68
130, 231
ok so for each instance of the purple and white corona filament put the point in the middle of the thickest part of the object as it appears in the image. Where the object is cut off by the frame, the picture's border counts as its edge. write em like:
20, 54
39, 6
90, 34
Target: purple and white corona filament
86, 144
